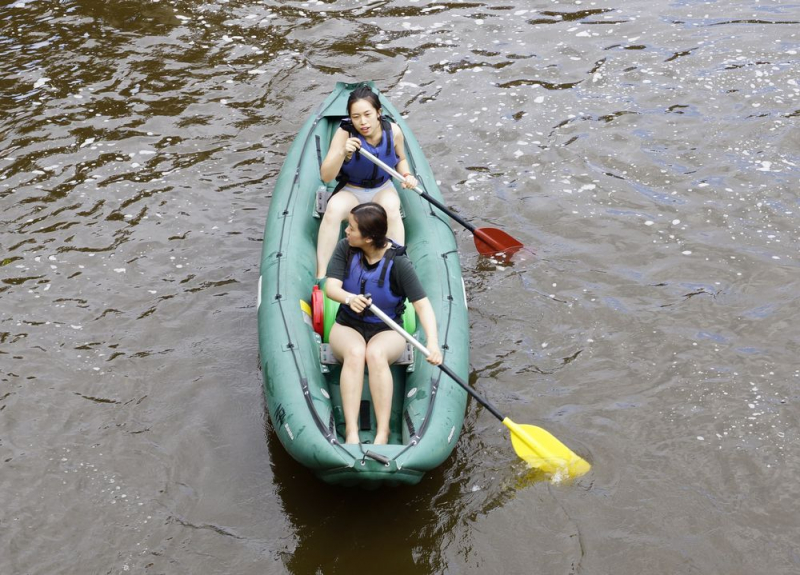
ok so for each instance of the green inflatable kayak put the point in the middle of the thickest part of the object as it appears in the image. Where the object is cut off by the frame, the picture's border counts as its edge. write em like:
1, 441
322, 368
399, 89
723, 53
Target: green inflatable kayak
301, 379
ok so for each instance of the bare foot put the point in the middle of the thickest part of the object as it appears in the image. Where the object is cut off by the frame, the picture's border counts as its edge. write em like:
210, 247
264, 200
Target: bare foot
381, 439
352, 439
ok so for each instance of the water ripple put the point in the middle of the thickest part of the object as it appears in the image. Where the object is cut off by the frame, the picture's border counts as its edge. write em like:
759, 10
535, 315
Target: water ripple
649, 157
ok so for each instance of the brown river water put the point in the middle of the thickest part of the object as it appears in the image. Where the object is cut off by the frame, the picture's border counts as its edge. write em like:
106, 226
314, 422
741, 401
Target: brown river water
647, 152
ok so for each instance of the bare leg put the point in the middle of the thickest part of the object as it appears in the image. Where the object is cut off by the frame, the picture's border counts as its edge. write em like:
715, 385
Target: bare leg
391, 203
349, 347
383, 350
338, 208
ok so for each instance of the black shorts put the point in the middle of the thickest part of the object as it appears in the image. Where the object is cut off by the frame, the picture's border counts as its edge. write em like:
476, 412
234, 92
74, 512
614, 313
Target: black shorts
366, 329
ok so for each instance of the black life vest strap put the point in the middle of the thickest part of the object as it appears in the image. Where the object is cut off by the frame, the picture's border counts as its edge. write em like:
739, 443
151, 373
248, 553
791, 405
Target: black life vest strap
388, 256
341, 182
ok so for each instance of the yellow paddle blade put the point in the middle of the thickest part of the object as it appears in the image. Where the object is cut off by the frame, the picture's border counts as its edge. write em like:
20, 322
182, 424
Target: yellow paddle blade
540, 449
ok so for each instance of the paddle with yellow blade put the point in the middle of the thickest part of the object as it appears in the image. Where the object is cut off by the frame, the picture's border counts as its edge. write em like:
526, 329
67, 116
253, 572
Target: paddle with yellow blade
534, 445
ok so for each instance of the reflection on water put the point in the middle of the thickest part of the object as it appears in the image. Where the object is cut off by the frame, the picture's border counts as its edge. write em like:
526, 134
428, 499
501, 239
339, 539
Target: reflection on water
356, 527
646, 154
393, 528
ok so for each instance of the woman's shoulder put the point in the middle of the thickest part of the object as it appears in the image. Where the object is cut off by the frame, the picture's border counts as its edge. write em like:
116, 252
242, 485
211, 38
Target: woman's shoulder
340, 132
399, 250
339, 137
402, 260
341, 247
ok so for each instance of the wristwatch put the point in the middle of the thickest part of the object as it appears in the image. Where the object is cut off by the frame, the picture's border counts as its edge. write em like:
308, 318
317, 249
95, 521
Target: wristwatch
347, 300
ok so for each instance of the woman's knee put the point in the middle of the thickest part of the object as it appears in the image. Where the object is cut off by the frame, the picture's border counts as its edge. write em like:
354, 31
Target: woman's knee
355, 354
333, 216
339, 207
390, 202
376, 356
347, 345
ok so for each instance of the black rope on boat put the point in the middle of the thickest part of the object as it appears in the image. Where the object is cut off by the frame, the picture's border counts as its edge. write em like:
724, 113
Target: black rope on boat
435, 381
427, 418
412, 165
438, 217
410, 424
328, 433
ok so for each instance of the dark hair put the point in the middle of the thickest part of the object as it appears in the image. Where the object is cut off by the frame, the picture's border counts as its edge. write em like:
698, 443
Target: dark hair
363, 93
372, 222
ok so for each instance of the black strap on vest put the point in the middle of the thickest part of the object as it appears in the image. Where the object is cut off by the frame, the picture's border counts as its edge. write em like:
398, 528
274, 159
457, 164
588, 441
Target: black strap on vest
388, 257
347, 125
394, 250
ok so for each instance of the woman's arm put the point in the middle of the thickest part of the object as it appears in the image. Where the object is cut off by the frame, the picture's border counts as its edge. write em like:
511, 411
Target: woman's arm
334, 291
428, 320
402, 166
341, 150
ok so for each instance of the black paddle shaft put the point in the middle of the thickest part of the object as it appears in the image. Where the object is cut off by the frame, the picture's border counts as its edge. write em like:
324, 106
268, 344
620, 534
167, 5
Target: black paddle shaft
472, 392
453, 215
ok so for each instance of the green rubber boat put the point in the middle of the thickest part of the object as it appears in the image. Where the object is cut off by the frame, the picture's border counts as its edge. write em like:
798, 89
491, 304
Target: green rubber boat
301, 379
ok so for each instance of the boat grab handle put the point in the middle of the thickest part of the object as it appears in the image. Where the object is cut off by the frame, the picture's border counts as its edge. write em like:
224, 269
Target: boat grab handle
377, 457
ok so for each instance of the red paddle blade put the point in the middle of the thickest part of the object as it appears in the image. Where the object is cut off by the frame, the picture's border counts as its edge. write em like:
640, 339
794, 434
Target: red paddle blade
490, 241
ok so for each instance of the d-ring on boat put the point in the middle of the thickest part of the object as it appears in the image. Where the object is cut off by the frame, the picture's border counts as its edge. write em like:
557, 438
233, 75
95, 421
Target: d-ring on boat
301, 378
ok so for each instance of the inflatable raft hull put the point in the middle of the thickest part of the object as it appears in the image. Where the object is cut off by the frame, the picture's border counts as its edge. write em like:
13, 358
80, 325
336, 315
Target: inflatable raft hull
302, 392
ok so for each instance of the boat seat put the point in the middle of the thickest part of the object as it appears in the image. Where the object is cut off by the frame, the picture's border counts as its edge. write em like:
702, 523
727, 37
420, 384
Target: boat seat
327, 358
323, 194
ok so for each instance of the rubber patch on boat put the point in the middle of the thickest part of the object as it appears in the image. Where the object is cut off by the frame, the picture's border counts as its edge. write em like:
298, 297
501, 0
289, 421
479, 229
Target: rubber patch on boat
363, 416
306, 312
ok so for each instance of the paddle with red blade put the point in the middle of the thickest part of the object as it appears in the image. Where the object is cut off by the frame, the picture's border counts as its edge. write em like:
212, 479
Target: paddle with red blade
488, 241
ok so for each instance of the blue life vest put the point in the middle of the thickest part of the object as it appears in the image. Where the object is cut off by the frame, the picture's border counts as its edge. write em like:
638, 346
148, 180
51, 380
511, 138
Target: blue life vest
360, 171
360, 280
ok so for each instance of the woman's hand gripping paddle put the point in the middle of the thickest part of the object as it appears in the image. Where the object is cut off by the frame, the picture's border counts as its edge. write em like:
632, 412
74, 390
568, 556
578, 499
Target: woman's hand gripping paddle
488, 241
534, 445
